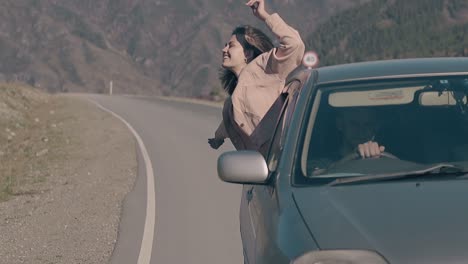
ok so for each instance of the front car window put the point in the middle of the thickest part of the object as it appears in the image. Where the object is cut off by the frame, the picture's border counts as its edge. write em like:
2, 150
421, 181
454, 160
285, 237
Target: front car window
419, 122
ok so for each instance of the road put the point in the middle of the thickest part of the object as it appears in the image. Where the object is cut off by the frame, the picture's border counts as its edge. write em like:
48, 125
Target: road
196, 214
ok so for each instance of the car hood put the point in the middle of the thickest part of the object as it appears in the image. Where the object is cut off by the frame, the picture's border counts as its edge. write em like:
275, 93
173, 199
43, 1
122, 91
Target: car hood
406, 222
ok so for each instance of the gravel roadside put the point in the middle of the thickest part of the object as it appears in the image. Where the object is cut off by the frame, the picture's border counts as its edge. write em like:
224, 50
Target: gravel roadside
65, 207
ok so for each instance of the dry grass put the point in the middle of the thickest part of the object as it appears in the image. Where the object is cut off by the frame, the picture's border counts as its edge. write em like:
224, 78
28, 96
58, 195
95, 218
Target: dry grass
63, 176
29, 139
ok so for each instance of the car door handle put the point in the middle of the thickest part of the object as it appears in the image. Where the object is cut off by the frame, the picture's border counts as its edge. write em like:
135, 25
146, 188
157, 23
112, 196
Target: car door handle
249, 195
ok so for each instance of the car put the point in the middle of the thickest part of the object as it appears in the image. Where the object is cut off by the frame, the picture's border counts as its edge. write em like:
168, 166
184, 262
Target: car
312, 198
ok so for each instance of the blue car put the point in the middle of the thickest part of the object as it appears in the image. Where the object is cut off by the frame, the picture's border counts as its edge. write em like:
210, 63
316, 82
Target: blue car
367, 164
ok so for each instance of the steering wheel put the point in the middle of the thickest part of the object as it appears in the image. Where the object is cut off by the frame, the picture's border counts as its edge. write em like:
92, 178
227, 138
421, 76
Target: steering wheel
355, 156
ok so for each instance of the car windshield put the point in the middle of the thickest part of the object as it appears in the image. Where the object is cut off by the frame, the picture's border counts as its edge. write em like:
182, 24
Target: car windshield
419, 123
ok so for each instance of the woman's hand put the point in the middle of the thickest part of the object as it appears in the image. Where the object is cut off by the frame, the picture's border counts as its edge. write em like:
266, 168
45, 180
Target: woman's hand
258, 8
215, 143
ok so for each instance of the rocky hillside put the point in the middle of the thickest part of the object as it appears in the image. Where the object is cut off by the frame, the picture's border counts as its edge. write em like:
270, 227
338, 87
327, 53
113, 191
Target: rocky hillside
384, 29
144, 46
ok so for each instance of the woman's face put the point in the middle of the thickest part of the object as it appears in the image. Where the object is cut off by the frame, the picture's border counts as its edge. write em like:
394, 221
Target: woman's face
233, 54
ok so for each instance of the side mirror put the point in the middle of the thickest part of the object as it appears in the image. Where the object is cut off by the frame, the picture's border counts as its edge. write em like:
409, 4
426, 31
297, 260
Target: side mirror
245, 167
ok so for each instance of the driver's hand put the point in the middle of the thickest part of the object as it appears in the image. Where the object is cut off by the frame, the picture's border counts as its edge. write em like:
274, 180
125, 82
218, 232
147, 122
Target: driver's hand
370, 149
215, 143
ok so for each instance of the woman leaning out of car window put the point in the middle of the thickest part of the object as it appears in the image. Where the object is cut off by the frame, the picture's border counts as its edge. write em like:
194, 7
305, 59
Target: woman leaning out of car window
254, 73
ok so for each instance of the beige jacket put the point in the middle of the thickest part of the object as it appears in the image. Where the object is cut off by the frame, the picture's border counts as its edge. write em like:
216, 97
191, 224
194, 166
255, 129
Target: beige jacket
262, 80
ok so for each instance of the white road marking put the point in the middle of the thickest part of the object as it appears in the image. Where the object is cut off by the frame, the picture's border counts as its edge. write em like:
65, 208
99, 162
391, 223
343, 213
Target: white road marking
148, 232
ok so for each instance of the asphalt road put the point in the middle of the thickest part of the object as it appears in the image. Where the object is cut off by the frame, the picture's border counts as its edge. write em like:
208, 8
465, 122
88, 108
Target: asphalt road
196, 214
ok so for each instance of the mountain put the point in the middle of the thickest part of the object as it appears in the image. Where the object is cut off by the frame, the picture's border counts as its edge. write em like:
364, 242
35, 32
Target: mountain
387, 29
170, 47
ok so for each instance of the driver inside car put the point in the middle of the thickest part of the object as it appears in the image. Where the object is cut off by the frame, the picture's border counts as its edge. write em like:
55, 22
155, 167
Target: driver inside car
357, 128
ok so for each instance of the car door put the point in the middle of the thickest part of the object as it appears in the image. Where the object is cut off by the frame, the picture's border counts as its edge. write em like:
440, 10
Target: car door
251, 206
265, 196
246, 224
258, 202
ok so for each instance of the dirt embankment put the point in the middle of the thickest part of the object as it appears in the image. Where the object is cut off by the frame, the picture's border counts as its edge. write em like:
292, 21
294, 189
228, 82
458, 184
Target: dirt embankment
66, 167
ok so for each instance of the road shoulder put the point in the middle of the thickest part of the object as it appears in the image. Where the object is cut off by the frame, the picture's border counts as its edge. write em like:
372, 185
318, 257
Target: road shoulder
71, 212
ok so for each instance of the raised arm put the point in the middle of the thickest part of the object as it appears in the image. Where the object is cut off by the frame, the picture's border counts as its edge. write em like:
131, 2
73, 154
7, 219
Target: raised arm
288, 55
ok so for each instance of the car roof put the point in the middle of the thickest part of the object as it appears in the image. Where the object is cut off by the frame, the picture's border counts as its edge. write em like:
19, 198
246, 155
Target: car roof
398, 68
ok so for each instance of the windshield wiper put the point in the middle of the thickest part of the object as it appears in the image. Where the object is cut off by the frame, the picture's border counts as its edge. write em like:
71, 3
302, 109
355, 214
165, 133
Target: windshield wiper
442, 169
